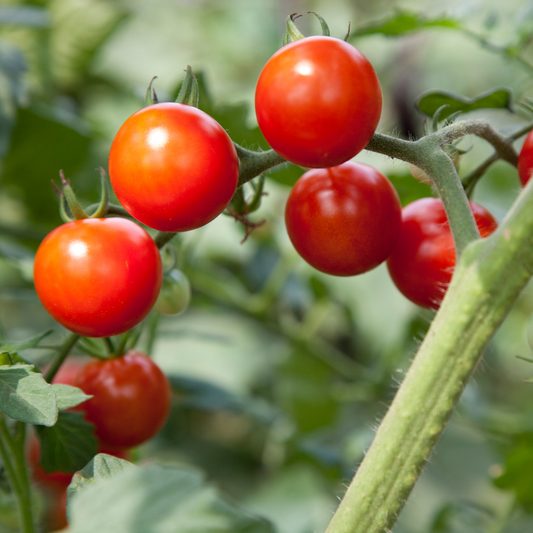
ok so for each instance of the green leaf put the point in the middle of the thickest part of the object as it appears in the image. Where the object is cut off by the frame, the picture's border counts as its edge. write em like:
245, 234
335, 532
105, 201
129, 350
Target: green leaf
11, 358
405, 22
100, 467
69, 445
517, 474
68, 396
409, 188
156, 499
25, 395
56, 140
429, 102
12, 347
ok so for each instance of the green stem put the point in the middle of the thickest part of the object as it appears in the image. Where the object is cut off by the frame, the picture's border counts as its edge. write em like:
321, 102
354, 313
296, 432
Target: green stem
251, 163
109, 345
14, 462
487, 281
61, 355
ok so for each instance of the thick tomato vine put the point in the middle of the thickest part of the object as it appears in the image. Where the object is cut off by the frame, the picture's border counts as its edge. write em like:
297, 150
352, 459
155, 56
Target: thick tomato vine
98, 277
343, 220
318, 102
423, 261
131, 399
173, 167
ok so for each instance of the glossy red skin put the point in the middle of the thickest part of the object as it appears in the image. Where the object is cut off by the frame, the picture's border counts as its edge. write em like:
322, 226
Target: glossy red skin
343, 220
318, 102
98, 277
423, 261
131, 399
525, 160
173, 167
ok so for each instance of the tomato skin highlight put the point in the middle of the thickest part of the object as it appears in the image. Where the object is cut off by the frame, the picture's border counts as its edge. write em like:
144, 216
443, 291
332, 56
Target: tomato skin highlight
525, 160
423, 261
173, 167
318, 102
98, 277
131, 399
343, 220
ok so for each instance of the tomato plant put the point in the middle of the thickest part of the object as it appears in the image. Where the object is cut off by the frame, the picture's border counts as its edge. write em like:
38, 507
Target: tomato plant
423, 261
318, 102
525, 160
98, 277
131, 399
343, 220
173, 167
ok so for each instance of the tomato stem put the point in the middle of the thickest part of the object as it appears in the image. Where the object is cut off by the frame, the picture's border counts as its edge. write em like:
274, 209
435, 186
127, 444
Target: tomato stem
61, 355
487, 281
14, 462
251, 163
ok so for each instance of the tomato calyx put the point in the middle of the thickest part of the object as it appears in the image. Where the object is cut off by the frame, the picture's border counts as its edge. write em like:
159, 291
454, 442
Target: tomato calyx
151, 96
70, 208
292, 33
189, 91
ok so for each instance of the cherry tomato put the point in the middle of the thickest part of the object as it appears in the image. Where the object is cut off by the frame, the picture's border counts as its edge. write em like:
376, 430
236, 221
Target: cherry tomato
423, 261
344, 220
98, 277
318, 102
131, 399
525, 160
173, 167
175, 294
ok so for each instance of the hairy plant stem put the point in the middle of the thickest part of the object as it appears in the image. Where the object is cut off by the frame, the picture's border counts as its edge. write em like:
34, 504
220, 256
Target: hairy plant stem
61, 355
14, 462
487, 281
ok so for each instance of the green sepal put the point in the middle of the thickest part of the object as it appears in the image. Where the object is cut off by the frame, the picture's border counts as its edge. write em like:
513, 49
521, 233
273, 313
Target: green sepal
189, 91
323, 24
73, 204
150, 97
436, 117
101, 210
292, 33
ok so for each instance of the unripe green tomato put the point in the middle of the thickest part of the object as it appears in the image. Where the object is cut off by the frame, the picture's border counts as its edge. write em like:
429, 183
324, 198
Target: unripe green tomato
175, 294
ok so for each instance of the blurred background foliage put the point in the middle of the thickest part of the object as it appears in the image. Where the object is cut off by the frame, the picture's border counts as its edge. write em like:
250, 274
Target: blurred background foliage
281, 373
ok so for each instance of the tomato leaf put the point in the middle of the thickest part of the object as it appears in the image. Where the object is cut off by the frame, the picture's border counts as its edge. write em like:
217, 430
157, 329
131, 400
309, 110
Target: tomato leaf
25, 395
100, 467
171, 499
517, 473
429, 102
69, 445
68, 396
405, 22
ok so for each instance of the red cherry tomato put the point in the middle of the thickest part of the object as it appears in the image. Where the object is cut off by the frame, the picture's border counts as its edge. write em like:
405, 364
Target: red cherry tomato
98, 277
173, 167
525, 160
318, 102
344, 220
131, 399
423, 261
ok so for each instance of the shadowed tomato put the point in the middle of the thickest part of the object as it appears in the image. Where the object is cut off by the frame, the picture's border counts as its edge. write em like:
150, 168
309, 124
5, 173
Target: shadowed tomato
423, 261
525, 160
318, 102
131, 399
343, 220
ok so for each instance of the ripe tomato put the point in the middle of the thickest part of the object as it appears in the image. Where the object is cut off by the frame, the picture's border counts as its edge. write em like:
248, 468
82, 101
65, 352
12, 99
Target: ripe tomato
423, 261
343, 220
318, 102
173, 167
525, 160
131, 399
98, 277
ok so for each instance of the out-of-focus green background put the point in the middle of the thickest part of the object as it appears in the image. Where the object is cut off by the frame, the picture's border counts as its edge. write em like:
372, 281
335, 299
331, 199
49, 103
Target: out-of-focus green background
282, 373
